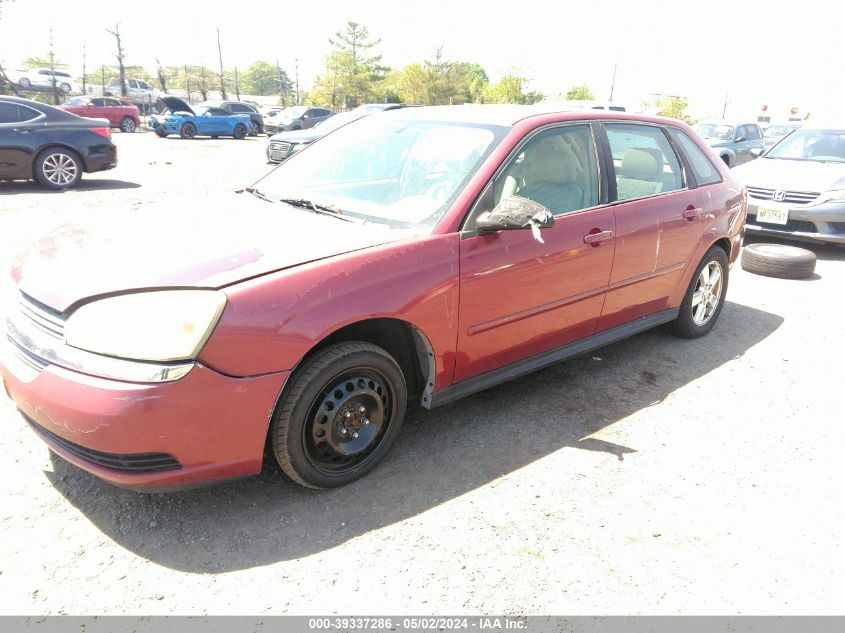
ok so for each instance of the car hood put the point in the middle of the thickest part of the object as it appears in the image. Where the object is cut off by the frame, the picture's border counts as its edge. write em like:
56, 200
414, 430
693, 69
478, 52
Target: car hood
792, 175
175, 104
297, 136
202, 244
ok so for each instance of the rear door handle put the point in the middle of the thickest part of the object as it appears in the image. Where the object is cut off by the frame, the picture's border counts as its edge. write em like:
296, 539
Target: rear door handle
692, 213
595, 238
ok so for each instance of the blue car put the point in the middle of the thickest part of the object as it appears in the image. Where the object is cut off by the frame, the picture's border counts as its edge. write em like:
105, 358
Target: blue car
204, 121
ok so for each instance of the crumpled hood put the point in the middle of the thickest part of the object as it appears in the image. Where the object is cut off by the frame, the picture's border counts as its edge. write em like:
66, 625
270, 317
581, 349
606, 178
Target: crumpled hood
791, 175
195, 243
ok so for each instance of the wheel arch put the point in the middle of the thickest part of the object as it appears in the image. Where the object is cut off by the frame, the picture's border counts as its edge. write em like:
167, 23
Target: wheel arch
404, 341
63, 146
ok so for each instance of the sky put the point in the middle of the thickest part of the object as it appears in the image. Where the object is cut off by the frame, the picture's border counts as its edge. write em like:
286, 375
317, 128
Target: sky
752, 52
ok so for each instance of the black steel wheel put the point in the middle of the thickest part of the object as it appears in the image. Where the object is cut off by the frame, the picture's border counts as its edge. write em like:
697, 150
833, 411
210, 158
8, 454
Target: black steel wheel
188, 130
240, 131
340, 415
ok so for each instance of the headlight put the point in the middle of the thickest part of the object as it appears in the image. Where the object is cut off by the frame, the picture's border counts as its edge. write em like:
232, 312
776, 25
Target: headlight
165, 325
834, 195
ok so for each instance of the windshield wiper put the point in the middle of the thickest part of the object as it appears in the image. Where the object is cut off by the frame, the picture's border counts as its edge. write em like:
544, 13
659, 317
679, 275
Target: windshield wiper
316, 208
257, 194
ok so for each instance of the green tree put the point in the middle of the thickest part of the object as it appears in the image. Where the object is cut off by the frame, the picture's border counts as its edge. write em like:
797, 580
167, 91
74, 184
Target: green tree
262, 78
42, 62
580, 93
510, 89
675, 108
352, 74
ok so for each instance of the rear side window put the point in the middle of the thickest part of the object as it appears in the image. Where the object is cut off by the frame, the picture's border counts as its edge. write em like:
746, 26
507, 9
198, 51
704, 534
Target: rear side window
644, 161
704, 171
14, 113
99, 103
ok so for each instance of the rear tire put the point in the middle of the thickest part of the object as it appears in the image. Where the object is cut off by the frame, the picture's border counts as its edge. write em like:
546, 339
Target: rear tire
57, 168
65, 87
705, 296
340, 416
24, 83
240, 131
778, 260
188, 131
127, 125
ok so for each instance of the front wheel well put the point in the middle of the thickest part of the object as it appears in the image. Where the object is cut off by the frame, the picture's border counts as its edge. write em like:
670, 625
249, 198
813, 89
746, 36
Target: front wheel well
725, 245
403, 341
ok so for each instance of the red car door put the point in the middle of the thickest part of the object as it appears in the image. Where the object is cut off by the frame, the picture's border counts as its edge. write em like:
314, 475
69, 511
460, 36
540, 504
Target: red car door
658, 222
522, 292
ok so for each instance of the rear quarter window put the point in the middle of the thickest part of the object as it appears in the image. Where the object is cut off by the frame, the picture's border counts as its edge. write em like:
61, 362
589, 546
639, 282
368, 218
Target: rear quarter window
704, 171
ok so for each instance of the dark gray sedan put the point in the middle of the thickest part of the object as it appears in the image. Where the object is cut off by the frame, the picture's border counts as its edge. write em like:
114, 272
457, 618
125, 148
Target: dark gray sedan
734, 142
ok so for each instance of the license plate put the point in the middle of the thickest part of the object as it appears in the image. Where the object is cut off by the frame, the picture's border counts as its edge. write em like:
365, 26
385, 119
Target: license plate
772, 216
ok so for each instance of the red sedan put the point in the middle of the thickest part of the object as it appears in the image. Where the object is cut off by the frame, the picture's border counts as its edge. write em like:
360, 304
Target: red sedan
120, 114
411, 257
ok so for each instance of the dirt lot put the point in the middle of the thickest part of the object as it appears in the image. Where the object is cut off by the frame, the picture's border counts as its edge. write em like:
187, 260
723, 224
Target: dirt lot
655, 476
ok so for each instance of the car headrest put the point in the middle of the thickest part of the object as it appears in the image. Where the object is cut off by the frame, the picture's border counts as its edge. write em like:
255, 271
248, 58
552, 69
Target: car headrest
550, 161
640, 164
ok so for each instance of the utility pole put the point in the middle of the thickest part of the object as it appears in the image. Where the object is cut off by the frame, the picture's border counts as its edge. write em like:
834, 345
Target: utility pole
237, 85
187, 85
296, 61
120, 55
103, 78
220, 56
53, 71
725, 107
162, 81
279, 81
84, 73
612, 84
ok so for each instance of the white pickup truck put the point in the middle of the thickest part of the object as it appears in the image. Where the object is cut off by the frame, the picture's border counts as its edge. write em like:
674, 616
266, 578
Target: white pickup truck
138, 92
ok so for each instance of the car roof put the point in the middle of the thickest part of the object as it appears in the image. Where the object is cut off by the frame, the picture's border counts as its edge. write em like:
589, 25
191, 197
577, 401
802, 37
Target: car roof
509, 115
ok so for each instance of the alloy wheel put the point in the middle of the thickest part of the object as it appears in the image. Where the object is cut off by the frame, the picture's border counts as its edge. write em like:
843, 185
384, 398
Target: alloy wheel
707, 293
60, 169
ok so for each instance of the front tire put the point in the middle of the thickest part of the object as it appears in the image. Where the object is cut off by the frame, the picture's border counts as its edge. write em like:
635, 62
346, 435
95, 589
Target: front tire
705, 296
340, 416
57, 168
24, 83
65, 88
188, 130
127, 125
240, 131
161, 133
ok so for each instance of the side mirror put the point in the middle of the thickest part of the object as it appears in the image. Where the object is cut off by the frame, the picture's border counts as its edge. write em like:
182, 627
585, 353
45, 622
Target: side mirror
514, 213
739, 139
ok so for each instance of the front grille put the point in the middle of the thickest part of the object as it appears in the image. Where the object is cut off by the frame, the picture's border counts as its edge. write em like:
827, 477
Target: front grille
839, 227
791, 197
25, 356
44, 318
127, 462
279, 150
791, 226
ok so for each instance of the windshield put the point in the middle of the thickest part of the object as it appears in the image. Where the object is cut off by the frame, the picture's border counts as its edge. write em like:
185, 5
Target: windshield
293, 112
776, 131
339, 120
826, 146
397, 172
715, 130
77, 101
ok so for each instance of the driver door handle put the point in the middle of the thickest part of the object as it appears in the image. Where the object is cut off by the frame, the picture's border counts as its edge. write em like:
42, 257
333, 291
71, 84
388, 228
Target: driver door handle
691, 213
595, 238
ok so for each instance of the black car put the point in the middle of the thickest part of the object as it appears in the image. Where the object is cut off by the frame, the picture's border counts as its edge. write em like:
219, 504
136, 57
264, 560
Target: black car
286, 144
51, 145
297, 118
239, 107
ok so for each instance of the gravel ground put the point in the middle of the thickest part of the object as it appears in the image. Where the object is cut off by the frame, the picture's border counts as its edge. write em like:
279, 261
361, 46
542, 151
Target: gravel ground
654, 476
